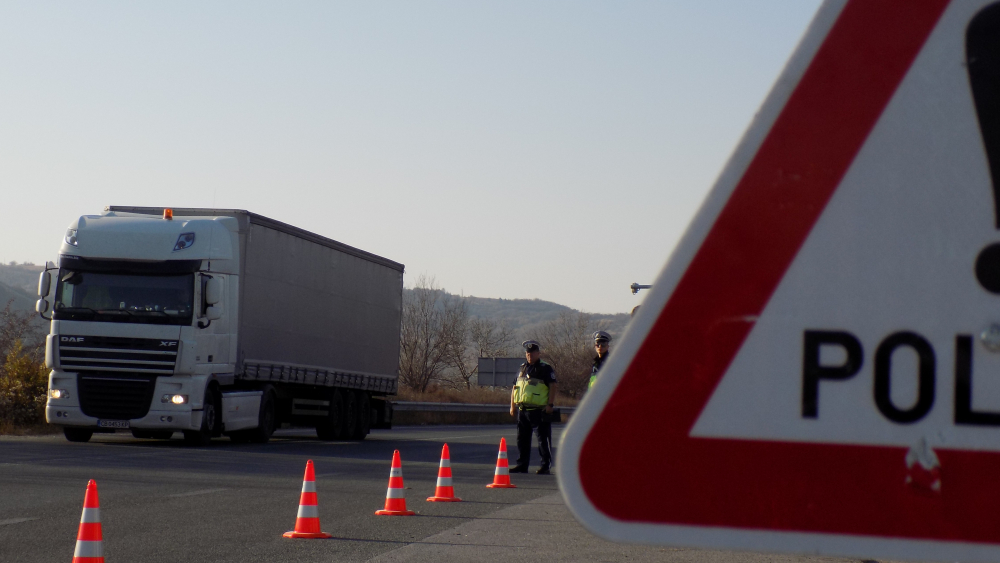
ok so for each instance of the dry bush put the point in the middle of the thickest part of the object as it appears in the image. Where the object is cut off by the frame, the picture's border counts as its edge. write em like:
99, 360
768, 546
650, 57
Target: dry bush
23, 385
432, 328
568, 346
485, 338
23, 376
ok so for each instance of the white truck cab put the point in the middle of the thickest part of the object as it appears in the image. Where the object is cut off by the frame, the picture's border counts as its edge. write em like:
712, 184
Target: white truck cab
145, 332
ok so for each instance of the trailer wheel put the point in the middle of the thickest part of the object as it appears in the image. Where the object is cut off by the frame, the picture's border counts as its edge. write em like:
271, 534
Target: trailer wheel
350, 415
364, 416
77, 434
330, 428
267, 420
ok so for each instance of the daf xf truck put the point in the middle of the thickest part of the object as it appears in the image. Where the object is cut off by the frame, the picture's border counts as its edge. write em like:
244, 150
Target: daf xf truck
217, 322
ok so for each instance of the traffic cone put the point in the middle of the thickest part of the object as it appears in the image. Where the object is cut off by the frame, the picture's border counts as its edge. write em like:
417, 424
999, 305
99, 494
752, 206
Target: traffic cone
395, 496
307, 520
444, 492
89, 538
501, 477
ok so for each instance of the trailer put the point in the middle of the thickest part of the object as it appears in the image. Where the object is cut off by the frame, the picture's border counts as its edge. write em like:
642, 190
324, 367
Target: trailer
217, 322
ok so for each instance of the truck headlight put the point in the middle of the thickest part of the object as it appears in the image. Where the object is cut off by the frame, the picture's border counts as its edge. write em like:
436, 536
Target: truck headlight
58, 394
71, 237
174, 399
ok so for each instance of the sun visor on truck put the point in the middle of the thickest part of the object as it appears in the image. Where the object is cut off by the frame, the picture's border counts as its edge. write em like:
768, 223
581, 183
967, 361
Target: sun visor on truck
102, 265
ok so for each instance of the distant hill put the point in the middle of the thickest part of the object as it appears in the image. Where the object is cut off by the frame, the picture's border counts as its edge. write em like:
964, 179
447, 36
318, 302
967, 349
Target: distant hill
525, 315
21, 276
20, 299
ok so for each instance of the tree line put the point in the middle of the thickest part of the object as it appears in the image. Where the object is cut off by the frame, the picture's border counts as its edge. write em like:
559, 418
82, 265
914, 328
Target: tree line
440, 343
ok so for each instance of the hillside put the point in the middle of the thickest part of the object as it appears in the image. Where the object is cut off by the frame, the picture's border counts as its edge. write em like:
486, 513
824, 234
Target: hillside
20, 300
524, 315
21, 276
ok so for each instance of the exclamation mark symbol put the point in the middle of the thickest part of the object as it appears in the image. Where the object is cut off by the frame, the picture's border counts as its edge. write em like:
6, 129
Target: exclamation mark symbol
982, 52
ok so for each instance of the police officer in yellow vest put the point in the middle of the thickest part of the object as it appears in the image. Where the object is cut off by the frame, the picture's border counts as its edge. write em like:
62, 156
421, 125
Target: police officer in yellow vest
601, 346
533, 397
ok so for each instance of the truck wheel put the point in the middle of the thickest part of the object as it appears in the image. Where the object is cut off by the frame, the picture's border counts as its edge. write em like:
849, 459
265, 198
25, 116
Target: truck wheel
350, 415
267, 419
209, 419
77, 434
330, 428
364, 416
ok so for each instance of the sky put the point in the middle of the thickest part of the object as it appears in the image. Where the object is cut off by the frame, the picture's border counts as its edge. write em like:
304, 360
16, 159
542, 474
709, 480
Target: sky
553, 150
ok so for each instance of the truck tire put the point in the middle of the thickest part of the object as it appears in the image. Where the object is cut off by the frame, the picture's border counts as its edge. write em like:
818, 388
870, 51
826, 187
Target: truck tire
77, 434
330, 428
364, 423
267, 420
152, 434
209, 421
350, 416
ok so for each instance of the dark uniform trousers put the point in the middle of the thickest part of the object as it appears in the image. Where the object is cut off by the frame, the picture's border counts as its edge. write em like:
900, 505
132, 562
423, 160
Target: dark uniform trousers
528, 419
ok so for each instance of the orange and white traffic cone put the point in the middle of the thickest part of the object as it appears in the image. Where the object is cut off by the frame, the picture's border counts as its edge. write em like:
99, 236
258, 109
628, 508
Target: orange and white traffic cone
501, 477
307, 520
90, 538
395, 496
444, 492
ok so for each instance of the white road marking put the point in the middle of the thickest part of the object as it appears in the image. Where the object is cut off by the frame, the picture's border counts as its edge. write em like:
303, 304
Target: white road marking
195, 493
15, 521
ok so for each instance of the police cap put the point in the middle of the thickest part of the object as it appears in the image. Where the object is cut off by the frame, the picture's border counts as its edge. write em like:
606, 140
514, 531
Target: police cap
601, 337
531, 345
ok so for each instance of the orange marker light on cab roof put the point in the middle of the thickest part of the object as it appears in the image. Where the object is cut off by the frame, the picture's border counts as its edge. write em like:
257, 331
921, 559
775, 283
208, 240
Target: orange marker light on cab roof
168, 214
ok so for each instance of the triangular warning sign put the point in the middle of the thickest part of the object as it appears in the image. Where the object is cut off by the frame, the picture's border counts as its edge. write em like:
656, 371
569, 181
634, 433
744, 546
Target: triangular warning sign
817, 369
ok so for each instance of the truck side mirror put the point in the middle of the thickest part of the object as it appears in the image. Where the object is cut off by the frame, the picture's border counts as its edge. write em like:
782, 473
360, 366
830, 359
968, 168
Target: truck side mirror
213, 313
44, 284
213, 291
41, 306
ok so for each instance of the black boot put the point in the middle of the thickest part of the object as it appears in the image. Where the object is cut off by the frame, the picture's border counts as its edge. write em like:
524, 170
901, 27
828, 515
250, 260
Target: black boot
518, 469
543, 470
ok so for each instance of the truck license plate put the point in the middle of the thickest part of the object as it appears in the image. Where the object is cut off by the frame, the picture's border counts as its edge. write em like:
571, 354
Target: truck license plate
112, 424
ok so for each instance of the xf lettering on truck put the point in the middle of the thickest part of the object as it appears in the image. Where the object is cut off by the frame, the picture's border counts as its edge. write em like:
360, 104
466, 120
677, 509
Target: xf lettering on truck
167, 343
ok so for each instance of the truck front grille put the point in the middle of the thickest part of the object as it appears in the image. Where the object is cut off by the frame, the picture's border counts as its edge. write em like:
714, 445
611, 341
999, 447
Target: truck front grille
107, 353
115, 396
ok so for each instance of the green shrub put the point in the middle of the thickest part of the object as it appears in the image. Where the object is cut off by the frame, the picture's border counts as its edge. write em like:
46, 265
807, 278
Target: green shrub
23, 388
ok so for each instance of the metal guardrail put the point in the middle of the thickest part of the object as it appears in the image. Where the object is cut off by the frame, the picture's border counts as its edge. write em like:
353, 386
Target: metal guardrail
419, 406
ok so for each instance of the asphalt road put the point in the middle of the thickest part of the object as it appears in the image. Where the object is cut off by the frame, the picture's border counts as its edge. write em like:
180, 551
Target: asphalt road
163, 501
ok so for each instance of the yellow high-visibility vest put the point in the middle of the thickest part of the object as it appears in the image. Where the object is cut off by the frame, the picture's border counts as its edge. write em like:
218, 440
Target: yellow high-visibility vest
531, 392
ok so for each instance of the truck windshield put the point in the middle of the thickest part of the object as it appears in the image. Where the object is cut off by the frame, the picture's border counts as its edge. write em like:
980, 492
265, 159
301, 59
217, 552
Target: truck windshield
124, 298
